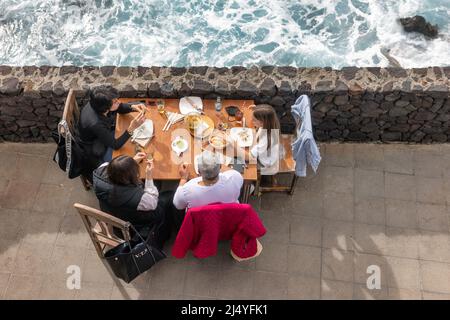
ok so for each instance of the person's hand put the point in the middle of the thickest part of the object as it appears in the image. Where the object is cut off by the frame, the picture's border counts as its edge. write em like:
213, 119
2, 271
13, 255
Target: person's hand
184, 171
136, 122
149, 170
139, 156
115, 105
138, 107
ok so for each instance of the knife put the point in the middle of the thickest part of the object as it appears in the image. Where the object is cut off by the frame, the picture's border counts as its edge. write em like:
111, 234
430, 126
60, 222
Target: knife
194, 106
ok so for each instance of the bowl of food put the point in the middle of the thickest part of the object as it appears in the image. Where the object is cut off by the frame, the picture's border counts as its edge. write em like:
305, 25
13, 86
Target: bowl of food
218, 140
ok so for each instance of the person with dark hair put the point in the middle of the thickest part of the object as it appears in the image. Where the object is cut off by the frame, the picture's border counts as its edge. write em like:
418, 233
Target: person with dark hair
97, 124
121, 193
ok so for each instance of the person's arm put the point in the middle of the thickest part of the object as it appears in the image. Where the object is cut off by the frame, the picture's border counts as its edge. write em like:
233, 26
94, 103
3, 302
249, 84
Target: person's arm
179, 201
125, 108
106, 136
149, 200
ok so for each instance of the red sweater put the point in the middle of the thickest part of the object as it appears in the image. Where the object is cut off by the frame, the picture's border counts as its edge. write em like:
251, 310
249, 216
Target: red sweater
203, 227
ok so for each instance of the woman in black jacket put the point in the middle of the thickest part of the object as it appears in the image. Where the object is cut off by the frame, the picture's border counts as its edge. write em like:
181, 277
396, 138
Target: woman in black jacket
122, 194
97, 125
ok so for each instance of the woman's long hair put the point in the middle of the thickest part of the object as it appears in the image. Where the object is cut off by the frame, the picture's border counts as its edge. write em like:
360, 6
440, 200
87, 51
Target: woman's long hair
123, 171
267, 115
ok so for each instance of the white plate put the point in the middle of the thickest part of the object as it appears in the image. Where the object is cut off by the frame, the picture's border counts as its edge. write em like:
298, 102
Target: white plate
186, 107
178, 149
235, 135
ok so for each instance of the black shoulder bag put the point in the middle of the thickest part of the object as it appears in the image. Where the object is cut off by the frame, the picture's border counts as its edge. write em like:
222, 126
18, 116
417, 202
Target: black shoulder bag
130, 259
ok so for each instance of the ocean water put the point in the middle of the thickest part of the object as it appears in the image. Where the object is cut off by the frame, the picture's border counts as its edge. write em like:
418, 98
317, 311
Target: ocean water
301, 33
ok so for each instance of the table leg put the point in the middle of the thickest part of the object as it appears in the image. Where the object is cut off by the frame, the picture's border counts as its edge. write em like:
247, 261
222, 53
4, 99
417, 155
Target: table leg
293, 184
246, 191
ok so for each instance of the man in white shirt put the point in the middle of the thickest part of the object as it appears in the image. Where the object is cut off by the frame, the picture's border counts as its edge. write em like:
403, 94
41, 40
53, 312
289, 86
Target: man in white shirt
212, 186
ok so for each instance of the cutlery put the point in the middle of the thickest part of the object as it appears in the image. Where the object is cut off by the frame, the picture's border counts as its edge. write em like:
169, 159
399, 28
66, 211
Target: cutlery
194, 106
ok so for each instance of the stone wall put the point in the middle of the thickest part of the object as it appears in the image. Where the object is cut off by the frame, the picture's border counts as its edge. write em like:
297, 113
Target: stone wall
352, 104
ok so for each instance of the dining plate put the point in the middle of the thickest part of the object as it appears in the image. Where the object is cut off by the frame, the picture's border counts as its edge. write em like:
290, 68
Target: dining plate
243, 136
190, 105
179, 145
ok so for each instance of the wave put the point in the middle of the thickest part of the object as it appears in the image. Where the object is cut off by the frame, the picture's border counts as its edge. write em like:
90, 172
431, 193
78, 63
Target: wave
303, 33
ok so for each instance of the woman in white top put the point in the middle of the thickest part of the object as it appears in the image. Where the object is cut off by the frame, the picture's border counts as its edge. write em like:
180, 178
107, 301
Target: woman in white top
267, 150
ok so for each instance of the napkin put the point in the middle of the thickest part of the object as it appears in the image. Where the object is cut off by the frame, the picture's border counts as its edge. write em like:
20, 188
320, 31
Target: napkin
143, 133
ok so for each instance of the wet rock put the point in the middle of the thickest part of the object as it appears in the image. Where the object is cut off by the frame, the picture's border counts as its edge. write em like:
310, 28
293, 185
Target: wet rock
341, 88
184, 90
124, 71
267, 69
323, 86
221, 70
202, 87
156, 71
349, 73
167, 89
438, 91
154, 90
268, 87
107, 71
10, 87
176, 71
341, 100
287, 71
376, 71
397, 72
420, 25
28, 70
68, 70
237, 69
285, 88
246, 89
142, 70
222, 88
5, 70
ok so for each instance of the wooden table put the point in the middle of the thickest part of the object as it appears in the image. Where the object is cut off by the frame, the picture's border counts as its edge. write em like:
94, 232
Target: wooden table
165, 160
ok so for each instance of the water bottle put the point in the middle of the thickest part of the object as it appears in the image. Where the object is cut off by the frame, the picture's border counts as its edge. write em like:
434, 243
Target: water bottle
218, 104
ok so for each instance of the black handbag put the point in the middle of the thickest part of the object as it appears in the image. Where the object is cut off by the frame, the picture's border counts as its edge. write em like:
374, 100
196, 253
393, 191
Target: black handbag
130, 259
69, 154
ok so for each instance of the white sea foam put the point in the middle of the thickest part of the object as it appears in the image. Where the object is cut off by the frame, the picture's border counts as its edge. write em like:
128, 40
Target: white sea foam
332, 33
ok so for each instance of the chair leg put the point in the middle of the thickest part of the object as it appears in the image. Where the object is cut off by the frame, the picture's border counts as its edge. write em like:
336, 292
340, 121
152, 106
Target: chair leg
293, 184
86, 184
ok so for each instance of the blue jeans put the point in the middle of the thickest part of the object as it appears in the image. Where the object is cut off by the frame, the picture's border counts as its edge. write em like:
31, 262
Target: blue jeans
107, 157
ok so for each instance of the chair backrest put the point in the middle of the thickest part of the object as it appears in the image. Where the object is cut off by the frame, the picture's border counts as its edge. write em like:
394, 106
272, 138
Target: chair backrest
71, 113
100, 226
287, 164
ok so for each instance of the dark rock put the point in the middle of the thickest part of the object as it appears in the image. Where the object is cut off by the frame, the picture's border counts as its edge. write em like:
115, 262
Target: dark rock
420, 25
28, 70
156, 71
154, 90
341, 100
268, 87
10, 87
25, 123
38, 103
417, 89
370, 108
176, 71
437, 72
397, 72
222, 88
44, 70
142, 70
438, 103
391, 136
401, 127
221, 70
68, 70
107, 71
237, 69
285, 88
440, 137
420, 71
349, 73
317, 114
324, 107
184, 90
392, 97
167, 89
328, 125
406, 86
401, 103
425, 115
11, 111
35, 132
267, 69
356, 136
246, 89
211, 76
202, 87
340, 88
446, 71
124, 71
277, 101
370, 127
323, 86
304, 88
375, 71
5, 70
438, 91
287, 71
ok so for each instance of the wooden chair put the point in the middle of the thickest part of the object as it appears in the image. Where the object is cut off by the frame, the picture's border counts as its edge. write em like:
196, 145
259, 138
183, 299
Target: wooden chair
71, 115
287, 167
100, 226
